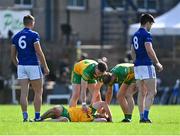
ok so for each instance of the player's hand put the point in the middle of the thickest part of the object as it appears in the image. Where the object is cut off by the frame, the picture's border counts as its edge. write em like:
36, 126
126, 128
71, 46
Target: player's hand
46, 71
159, 67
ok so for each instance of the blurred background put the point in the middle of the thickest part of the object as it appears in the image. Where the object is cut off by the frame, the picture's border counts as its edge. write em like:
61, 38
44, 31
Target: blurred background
72, 30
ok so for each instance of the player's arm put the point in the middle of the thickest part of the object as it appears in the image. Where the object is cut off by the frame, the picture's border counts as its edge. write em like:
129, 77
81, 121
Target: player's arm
103, 105
83, 91
133, 54
109, 94
14, 55
151, 53
41, 57
99, 120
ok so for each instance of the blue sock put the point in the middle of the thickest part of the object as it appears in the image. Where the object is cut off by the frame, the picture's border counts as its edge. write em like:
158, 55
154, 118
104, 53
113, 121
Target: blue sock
141, 116
37, 115
146, 114
25, 115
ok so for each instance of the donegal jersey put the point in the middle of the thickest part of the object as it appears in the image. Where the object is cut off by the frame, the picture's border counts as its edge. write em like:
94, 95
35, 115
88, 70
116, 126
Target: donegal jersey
76, 114
85, 68
124, 73
138, 41
24, 42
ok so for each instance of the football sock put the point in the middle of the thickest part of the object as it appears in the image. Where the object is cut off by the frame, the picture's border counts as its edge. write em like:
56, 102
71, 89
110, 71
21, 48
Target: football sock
25, 115
141, 116
146, 114
128, 116
37, 115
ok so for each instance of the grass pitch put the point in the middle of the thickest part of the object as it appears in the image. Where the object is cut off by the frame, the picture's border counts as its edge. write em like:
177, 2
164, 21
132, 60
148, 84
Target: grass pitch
166, 121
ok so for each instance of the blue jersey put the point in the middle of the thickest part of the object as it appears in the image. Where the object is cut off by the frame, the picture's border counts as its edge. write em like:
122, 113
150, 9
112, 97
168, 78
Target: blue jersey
138, 41
24, 42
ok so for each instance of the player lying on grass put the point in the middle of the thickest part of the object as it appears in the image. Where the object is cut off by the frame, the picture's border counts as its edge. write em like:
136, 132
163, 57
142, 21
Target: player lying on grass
76, 114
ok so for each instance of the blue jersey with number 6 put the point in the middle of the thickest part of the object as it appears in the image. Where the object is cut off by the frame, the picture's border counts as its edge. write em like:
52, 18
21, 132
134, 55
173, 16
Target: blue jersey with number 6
138, 42
24, 42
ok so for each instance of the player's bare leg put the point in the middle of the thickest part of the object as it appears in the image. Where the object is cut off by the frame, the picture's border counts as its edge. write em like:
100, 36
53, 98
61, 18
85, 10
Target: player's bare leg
151, 92
37, 86
24, 83
129, 96
54, 112
141, 97
96, 95
60, 119
123, 102
76, 90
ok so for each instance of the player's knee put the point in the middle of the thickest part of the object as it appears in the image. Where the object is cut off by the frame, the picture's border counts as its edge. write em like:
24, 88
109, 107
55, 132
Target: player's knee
75, 96
56, 111
120, 96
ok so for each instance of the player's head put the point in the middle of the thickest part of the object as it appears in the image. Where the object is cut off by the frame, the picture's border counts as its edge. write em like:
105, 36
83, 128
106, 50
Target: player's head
147, 20
28, 21
101, 68
107, 77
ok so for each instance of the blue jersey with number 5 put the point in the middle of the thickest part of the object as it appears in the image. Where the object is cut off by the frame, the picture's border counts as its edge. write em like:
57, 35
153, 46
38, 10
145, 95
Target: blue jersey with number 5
24, 42
138, 42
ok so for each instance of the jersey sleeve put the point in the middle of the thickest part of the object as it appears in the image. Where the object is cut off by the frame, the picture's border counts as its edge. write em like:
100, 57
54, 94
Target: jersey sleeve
148, 38
36, 38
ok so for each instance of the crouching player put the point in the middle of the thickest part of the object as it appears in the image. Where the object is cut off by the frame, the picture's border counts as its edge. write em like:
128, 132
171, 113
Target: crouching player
75, 114
122, 74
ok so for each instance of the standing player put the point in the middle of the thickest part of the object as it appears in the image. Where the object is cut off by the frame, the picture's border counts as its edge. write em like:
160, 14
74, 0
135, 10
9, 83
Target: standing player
84, 76
144, 56
123, 74
26, 53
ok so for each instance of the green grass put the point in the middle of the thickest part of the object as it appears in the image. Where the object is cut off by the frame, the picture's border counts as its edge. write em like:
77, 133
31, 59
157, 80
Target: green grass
166, 121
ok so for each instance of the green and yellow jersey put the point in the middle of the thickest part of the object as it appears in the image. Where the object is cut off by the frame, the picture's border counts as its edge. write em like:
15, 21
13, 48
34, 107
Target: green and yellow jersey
84, 69
76, 114
124, 73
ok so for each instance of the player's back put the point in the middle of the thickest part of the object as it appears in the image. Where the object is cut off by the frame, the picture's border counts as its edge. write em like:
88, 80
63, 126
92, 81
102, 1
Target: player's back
82, 65
24, 43
78, 115
122, 70
138, 41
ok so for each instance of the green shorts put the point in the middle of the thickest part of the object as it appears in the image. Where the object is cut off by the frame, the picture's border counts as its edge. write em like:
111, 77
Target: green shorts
76, 79
129, 79
65, 113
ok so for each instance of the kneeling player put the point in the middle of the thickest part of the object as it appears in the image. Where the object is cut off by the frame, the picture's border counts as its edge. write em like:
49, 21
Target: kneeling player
77, 114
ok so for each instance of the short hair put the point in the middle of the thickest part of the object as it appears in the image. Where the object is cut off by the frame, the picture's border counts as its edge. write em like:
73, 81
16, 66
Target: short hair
107, 78
102, 66
146, 18
28, 19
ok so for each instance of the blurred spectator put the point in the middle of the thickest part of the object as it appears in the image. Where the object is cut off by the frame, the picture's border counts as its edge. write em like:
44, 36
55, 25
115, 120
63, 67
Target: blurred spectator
175, 93
104, 59
165, 95
1, 82
128, 57
83, 56
64, 71
10, 34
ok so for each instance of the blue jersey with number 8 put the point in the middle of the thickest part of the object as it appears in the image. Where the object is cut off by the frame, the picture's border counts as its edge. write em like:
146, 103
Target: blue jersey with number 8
138, 42
24, 42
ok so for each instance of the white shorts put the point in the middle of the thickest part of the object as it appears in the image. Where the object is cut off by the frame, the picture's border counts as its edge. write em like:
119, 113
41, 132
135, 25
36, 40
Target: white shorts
144, 72
29, 72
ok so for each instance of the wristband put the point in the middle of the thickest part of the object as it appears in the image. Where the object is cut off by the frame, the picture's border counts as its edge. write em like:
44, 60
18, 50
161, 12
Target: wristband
83, 103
